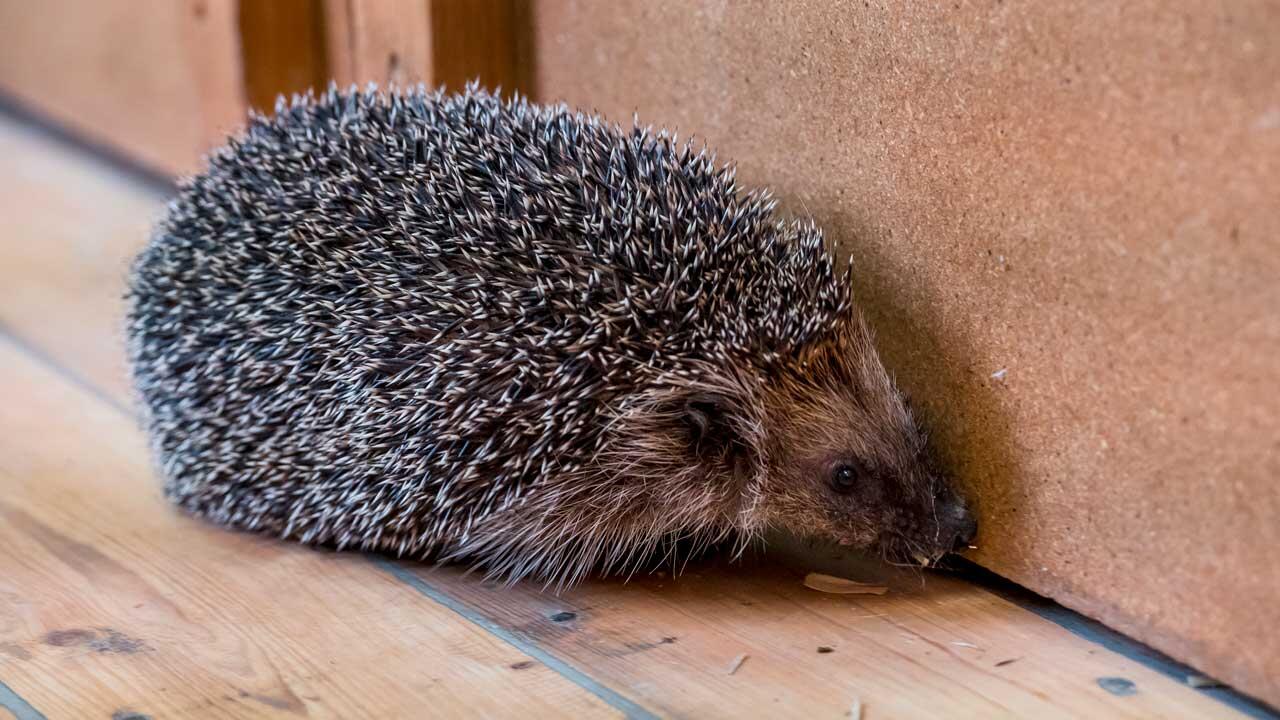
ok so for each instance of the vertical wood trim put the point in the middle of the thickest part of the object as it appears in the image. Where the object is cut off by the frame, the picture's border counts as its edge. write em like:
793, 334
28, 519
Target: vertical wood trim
282, 44
486, 40
384, 41
340, 44
437, 42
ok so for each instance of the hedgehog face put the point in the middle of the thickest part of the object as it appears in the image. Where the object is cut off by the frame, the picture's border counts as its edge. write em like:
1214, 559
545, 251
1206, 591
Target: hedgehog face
848, 462
843, 488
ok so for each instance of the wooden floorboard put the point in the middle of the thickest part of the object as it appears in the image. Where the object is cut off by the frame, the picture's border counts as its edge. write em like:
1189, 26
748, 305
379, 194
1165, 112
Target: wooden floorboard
945, 649
112, 602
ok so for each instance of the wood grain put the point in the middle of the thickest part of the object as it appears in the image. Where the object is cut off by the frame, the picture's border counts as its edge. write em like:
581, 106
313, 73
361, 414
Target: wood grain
381, 41
437, 42
111, 602
949, 650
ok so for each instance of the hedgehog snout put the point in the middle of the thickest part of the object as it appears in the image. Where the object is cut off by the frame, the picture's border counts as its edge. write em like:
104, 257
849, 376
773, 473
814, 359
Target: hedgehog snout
954, 526
959, 526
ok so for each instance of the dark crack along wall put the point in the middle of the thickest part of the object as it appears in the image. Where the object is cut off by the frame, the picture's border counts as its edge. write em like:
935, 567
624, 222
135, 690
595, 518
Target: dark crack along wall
1066, 223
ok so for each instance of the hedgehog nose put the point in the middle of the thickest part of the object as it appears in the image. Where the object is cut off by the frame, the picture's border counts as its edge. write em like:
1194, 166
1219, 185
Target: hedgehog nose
966, 528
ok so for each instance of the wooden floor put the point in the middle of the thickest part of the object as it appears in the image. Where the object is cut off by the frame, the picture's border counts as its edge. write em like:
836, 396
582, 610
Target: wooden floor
113, 605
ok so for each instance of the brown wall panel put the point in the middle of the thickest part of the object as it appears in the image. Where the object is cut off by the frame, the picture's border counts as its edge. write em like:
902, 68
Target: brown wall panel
1066, 223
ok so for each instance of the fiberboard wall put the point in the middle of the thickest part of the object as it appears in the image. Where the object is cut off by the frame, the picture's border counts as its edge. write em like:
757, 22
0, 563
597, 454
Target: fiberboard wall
1066, 219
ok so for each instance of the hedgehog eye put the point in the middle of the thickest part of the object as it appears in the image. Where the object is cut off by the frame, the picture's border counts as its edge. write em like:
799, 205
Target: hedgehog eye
844, 478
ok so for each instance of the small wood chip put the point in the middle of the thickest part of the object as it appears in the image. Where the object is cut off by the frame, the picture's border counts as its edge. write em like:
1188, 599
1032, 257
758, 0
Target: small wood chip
841, 586
962, 643
737, 663
1200, 682
1010, 661
855, 709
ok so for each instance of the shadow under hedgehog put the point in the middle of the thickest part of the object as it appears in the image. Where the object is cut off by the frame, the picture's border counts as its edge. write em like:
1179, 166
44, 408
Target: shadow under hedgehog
461, 327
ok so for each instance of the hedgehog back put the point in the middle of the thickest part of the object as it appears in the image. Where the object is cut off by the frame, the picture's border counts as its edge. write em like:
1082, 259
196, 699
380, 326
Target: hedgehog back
377, 318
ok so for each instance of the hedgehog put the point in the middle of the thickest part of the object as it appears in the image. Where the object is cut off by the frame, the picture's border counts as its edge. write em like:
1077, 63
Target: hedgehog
471, 328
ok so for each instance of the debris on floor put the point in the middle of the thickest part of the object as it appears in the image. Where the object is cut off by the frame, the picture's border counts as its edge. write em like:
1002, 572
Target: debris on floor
841, 586
1201, 682
737, 663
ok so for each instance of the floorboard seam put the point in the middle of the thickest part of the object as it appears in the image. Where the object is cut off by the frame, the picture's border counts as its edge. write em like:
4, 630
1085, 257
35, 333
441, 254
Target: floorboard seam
101, 153
62, 371
13, 702
1117, 642
628, 707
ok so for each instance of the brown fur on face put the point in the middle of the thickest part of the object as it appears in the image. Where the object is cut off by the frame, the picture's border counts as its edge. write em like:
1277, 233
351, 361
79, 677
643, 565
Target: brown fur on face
734, 453
837, 408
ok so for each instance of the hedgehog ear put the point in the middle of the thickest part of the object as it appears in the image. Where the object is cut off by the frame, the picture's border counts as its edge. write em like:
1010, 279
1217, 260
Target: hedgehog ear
707, 418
